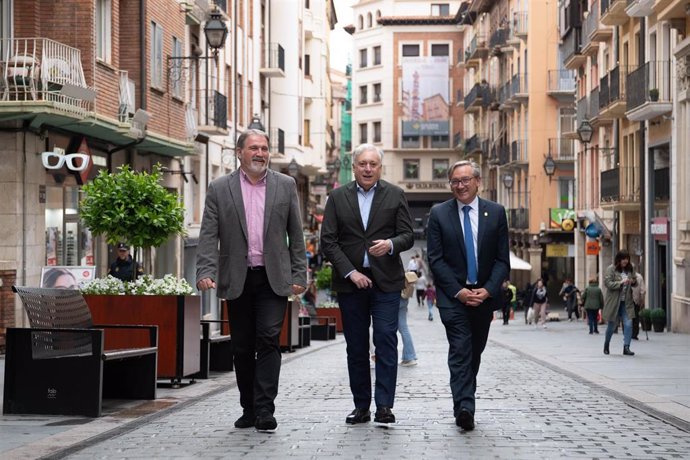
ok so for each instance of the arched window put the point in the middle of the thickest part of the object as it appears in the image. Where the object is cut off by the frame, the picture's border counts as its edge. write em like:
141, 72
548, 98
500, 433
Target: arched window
378, 14
361, 22
368, 19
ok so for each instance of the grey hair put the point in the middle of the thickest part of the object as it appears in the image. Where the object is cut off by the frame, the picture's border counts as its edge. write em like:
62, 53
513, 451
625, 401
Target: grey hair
361, 148
476, 170
250, 132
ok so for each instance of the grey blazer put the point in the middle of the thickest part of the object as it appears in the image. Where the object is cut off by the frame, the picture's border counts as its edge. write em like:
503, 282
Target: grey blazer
222, 250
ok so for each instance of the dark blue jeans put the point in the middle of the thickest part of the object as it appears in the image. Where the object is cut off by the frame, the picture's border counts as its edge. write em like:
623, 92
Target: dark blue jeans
592, 320
359, 309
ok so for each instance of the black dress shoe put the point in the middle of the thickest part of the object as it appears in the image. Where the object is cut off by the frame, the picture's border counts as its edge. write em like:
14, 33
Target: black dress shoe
606, 348
627, 352
266, 422
358, 416
246, 421
465, 420
384, 415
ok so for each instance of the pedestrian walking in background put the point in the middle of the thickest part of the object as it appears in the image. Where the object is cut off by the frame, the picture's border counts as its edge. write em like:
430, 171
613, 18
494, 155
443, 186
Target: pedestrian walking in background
639, 290
593, 300
569, 294
366, 225
409, 356
420, 289
469, 259
251, 248
430, 296
618, 300
421, 265
508, 296
412, 265
539, 302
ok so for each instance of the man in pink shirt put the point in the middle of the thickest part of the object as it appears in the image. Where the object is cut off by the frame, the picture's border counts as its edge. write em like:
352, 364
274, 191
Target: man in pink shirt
251, 249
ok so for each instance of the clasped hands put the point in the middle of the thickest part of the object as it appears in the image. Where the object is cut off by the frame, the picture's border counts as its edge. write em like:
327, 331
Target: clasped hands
472, 297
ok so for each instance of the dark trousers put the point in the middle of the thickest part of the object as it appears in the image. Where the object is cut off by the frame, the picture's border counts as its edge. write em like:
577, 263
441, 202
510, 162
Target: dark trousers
505, 312
592, 320
359, 309
256, 318
467, 329
636, 322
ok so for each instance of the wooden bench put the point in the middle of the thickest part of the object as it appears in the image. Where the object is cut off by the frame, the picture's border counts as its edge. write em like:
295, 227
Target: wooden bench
216, 350
59, 365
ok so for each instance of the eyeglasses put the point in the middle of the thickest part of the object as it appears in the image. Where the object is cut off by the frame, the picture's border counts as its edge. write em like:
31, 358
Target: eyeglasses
75, 161
463, 180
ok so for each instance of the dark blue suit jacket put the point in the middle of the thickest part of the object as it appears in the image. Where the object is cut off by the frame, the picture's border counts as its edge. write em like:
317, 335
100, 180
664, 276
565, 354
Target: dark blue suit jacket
446, 251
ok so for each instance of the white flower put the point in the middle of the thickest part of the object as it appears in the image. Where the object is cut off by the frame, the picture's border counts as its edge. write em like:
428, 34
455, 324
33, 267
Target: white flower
144, 285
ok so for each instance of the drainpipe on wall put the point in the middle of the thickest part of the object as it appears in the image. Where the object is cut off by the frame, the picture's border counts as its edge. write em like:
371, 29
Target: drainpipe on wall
142, 54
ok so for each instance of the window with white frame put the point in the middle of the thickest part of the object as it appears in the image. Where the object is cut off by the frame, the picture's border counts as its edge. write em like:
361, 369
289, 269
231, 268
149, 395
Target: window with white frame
104, 30
363, 97
376, 97
410, 50
377, 131
440, 49
440, 9
377, 55
411, 169
156, 55
176, 83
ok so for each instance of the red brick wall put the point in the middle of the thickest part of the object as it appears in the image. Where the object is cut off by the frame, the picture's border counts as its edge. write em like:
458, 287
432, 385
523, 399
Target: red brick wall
8, 278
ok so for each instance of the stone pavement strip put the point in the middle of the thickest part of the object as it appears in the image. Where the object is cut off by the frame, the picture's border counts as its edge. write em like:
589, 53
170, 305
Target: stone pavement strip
542, 394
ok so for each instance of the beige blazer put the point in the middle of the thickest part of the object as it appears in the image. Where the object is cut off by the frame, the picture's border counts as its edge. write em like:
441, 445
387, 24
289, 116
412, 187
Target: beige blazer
222, 250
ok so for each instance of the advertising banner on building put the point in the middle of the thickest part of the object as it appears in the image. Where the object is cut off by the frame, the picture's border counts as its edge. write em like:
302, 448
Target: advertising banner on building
425, 96
562, 219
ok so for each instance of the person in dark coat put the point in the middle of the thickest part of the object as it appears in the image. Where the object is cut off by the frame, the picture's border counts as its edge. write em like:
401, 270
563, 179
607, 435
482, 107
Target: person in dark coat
593, 300
124, 265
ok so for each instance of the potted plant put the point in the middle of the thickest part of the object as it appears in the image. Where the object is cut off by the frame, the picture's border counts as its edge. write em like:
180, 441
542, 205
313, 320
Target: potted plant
658, 317
329, 307
654, 94
133, 207
646, 319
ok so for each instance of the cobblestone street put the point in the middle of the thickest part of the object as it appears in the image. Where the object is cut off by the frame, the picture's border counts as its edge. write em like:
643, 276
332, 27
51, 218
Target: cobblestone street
526, 409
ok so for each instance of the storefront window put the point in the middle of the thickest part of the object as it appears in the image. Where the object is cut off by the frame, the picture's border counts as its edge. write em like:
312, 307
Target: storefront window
67, 241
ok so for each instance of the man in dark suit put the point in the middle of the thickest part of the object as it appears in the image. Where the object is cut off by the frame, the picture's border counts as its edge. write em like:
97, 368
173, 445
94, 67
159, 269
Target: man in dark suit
366, 226
251, 247
467, 244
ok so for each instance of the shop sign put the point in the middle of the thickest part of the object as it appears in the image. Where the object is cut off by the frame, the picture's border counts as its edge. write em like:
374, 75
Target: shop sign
559, 250
592, 248
562, 219
427, 185
660, 228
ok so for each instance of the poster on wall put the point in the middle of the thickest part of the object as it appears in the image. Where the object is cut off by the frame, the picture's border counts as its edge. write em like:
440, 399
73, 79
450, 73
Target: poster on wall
66, 277
425, 96
51, 245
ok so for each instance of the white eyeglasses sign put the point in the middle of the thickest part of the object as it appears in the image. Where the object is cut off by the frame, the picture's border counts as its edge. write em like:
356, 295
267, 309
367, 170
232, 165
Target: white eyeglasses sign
75, 161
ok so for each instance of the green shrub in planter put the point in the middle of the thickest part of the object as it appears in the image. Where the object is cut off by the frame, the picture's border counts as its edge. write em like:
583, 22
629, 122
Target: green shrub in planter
324, 277
657, 313
646, 313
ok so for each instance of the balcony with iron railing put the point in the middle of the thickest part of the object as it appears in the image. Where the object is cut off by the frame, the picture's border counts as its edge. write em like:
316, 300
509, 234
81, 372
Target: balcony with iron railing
213, 113
639, 8
518, 154
477, 50
561, 85
278, 141
45, 71
649, 91
503, 154
571, 49
562, 149
520, 24
475, 143
518, 218
519, 91
613, 12
612, 97
498, 39
273, 61
477, 97
620, 186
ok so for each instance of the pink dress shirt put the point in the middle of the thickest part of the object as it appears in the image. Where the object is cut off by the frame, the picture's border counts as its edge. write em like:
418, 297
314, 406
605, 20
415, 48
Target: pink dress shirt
254, 198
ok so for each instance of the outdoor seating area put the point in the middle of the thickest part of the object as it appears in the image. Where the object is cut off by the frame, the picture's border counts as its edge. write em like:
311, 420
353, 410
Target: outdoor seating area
60, 365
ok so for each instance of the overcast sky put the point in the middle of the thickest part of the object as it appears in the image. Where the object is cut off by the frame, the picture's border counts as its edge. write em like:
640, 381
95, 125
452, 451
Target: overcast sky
341, 41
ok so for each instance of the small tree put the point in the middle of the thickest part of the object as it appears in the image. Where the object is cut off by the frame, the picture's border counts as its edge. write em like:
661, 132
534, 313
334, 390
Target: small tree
132, 207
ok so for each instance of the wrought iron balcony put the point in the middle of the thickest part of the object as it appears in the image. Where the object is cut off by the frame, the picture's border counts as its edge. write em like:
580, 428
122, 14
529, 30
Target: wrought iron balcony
571, 49
613, 12
562, 149
40, 69
612, 97
518, 218
620, 185
649, 91
273, 61
561, 84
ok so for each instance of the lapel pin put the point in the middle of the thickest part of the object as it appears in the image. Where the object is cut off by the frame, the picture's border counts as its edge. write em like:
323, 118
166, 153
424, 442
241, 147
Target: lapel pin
486, 214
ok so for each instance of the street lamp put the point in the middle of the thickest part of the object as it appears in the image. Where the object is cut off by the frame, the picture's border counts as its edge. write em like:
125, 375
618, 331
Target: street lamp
585, 132
508, 181
215, 31
256, 124
293, 168
549, 166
